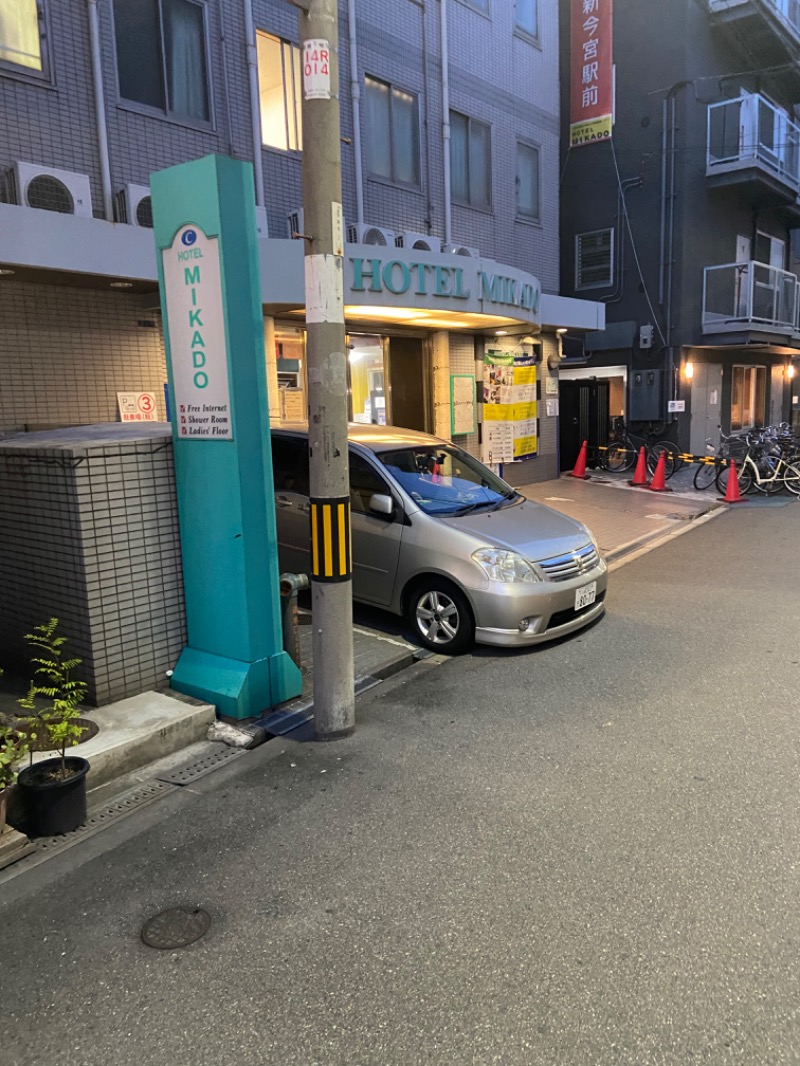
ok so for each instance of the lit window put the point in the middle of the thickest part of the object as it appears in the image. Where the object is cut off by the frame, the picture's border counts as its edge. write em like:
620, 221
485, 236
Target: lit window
470, 161
527, 181
748, 394
527, 17
392, 133
20, 34
594, 259
161, 56
280, 90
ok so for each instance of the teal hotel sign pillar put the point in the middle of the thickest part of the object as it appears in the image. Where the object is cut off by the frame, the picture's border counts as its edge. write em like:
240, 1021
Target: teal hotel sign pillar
205, 232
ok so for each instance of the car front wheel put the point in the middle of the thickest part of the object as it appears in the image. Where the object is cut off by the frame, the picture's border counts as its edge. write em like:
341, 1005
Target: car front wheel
441, 618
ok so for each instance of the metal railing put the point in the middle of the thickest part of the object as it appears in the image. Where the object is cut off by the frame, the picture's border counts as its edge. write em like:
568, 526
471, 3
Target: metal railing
739, 296
750, 131
785, 11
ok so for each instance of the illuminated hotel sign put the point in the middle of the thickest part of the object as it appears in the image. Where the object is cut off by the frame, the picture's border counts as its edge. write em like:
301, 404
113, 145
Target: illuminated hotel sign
470, 287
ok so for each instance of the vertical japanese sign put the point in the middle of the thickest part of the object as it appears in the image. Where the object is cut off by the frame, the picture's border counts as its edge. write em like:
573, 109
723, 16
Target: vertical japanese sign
591, 72
193, 291
510, 408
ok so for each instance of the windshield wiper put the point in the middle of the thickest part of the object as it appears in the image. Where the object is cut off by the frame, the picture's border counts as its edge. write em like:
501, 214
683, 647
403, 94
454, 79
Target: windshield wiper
470, 507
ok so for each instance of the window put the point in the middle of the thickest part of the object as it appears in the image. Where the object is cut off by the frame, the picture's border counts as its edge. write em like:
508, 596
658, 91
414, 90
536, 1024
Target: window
748, 393
161, 56
365, 482
527, 181
769, 250
290, 464
470, 161
393, 132
527, 17
479, 5
594, 259
280, 89
21, 34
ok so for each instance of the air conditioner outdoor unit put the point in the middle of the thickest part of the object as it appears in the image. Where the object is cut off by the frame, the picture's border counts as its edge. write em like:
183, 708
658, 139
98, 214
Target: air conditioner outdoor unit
462, 249
364, 233
423, 242
294, 223
134, 206
32, 185
261, 221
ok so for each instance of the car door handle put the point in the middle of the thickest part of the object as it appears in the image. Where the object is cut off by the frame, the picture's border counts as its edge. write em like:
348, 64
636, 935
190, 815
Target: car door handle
304, 507
283, 502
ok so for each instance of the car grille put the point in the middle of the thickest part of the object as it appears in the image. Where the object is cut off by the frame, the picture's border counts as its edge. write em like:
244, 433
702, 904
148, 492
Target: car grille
573, 564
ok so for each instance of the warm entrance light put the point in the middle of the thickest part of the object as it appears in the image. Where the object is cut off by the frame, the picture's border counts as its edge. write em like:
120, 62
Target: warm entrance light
791, 370
688, 370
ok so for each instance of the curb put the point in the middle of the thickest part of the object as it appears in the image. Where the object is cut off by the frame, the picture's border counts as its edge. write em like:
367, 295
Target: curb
298, 713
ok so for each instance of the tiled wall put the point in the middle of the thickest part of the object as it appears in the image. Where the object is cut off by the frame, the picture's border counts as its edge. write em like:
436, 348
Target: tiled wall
495, 76
90, 536
65, 353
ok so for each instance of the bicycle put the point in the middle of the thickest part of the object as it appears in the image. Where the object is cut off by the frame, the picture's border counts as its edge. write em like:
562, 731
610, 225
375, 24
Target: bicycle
763, 469
732, 446
621, 452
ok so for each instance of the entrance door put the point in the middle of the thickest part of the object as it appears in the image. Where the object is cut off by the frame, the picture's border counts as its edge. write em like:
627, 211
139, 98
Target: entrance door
583, 410
776, 396
408, 383
706, 394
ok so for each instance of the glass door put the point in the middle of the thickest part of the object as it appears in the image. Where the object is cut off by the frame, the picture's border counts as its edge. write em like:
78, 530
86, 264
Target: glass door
368, 384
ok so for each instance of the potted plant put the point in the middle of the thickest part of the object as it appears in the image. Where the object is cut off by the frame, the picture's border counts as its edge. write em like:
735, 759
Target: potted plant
13, 747
53, 791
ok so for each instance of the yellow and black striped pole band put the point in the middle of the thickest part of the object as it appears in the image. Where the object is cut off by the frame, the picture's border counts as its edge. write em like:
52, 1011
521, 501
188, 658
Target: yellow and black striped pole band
331, 555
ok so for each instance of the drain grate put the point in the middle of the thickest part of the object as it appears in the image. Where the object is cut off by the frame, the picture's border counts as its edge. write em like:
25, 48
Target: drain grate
176, 927
185, 775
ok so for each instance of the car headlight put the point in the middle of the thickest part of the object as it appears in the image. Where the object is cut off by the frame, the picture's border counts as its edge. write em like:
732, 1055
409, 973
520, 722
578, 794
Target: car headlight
501, 565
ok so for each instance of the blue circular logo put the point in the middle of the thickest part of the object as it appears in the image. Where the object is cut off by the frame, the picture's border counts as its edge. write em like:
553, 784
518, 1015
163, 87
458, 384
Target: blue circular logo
189, 237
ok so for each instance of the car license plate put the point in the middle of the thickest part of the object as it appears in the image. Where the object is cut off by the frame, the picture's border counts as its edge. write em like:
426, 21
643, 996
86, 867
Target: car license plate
585, 595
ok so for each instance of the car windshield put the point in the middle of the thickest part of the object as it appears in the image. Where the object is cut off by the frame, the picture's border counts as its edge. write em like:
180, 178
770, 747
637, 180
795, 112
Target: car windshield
443, 480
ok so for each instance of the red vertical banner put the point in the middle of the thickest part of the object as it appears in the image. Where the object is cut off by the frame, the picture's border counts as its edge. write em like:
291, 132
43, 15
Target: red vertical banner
591, 72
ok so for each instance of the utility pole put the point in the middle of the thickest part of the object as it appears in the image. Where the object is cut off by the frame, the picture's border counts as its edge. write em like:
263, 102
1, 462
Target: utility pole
326, 355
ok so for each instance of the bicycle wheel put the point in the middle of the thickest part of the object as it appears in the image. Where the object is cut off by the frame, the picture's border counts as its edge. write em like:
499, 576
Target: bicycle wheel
791, 478
704, 476
619, 457
744, 473
670, 453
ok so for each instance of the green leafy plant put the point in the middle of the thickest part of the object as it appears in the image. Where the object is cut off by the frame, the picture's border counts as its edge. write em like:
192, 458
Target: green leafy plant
53, 682
13, 747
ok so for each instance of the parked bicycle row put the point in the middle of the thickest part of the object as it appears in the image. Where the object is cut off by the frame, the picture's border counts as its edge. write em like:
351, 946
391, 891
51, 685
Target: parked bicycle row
767, 458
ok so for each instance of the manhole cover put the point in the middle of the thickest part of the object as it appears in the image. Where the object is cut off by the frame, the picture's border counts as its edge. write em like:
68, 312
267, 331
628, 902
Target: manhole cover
176, 928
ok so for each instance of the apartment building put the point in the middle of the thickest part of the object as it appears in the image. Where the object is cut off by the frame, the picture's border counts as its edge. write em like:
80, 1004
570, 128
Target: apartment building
450, 154
684, 222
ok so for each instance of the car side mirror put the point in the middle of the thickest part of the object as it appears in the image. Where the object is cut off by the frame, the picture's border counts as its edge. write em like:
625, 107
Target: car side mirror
379, 503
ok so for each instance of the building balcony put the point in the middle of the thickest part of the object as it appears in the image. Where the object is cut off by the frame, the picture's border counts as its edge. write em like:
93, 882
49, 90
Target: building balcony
766, 30
752, 143
750, 297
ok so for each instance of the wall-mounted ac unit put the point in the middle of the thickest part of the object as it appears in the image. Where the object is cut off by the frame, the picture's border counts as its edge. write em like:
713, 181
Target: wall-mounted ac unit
423, 242
31, 185
134, 206
294, 223
261, 221
462, 249
364, 233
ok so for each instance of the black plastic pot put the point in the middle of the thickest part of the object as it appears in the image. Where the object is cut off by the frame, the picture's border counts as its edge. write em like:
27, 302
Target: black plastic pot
53, 807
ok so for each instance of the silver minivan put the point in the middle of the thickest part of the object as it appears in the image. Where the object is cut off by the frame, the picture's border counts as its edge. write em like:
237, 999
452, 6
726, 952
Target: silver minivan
440, 539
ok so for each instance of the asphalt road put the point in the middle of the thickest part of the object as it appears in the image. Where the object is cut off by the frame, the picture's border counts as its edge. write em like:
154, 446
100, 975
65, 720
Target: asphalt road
585, 855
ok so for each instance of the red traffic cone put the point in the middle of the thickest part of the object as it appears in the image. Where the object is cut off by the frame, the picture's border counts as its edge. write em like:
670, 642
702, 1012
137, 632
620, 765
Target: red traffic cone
580, 466
640, 477
732, 493
659, 482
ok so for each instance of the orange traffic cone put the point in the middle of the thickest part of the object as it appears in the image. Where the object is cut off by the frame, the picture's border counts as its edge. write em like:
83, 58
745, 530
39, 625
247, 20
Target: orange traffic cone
580, 466
659, 482
640, 477
732, 493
